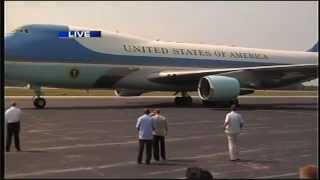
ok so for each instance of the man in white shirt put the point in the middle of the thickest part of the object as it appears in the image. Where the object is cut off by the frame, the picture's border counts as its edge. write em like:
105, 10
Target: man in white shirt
145, 127
232, 125
160, 131
12, 117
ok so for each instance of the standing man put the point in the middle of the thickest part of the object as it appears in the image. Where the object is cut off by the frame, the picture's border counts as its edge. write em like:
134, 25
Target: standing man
12, 117
232, 125
145, 127
160, 131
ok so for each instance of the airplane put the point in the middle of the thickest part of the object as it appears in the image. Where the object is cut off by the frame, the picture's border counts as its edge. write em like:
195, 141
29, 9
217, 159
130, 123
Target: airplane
64, 56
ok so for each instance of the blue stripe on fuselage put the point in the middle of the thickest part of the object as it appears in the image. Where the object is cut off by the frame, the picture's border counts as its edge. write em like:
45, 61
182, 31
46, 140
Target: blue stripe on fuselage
47, 47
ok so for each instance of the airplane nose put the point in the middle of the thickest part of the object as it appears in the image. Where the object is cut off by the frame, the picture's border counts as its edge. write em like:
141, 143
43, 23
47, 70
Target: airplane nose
9, 44
6, 44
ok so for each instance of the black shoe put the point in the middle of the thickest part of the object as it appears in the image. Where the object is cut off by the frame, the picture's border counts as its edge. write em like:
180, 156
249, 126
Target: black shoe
139, 162
7, 150
147, 163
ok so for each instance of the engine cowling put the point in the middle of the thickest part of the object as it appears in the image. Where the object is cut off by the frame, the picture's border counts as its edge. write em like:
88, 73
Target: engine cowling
218, 88
127, 92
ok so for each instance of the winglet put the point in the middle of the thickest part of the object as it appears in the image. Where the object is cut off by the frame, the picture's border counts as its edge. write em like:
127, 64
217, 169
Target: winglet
315, 48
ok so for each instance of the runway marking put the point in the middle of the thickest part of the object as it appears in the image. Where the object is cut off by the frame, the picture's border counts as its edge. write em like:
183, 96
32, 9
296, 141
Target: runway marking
141, 97
175, 170
276, 176
168, 140
291, 131
164, 172
38, 131
306, 155
192, 122
49, 172
118, 143
54, 171
201, 157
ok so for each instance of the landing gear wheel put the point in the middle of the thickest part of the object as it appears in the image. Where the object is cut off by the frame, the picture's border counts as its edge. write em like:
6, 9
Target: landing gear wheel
183, 100
189, 100
208, 103
235, 102
39, 103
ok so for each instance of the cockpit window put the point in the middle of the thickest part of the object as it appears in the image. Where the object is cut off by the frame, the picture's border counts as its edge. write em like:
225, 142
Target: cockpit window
17, 30
21, 30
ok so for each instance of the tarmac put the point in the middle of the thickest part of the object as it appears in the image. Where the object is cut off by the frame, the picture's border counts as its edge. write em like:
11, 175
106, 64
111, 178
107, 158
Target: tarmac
97, 138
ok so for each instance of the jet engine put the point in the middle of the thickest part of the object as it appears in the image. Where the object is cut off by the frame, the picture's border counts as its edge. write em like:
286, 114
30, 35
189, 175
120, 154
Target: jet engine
218, 88
127, 92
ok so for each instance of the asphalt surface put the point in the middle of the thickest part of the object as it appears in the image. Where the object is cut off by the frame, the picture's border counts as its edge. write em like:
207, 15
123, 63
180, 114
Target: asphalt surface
96, 138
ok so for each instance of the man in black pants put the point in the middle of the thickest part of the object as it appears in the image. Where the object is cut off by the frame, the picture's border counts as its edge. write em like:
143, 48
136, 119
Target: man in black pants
145, 127
160, 131
12, 117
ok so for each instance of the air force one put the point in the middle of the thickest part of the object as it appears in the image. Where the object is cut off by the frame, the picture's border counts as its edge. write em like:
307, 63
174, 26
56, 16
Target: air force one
71, 57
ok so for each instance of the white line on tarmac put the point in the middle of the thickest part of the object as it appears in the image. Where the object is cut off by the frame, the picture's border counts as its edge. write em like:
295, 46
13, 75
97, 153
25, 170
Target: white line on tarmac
263, 177
49, 172
125, 163
168, 140
140, 97
164, 172
117, 143
174, 170
203, 156
277, 176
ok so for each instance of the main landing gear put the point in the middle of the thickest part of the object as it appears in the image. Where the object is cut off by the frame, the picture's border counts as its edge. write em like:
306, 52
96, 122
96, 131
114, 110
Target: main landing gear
184, 99
38, 102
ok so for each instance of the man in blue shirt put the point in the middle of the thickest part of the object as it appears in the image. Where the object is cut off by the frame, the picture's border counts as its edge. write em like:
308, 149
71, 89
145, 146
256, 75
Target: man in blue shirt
145, 128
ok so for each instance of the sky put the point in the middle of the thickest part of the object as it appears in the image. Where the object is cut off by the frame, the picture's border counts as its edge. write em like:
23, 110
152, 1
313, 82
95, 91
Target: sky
272, 25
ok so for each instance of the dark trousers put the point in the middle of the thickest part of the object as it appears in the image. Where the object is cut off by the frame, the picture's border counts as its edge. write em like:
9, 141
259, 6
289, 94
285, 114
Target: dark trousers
13, 129
142, 143
159, 140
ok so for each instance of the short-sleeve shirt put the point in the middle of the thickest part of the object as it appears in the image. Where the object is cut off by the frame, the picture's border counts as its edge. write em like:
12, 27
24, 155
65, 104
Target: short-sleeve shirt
234, 121
12, 115
145, 126
160, 125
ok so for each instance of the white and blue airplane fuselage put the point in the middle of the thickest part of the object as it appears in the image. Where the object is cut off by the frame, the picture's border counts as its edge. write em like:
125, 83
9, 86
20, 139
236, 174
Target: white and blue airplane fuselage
71, 57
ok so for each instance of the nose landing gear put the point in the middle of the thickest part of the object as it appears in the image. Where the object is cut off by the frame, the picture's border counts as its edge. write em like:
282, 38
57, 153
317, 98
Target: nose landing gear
38, 102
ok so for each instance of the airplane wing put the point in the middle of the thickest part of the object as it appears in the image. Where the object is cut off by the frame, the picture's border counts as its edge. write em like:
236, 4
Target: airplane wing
262, 77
